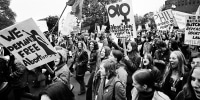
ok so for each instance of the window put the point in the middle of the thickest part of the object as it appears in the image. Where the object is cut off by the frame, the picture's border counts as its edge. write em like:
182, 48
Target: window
189, 1
183, 2
179, 2
194, 1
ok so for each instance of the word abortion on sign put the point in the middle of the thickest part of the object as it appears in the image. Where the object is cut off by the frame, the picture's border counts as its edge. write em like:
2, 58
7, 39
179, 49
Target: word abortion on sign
164, 19
192, 30
121, 19
28, 44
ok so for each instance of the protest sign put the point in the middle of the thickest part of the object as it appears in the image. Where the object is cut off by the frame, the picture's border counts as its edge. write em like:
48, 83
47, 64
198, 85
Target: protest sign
28, 44
180, 18
192, 30
121, 19
164, 19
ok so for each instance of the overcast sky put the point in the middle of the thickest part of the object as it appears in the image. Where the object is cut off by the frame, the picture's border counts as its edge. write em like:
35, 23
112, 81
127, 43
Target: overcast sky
38, 9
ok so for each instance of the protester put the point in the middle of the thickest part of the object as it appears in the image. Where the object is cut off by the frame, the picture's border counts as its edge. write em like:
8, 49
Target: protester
147, 63
5, 87
93, 66
81, 60
191, 90
195, 60
162, 53
18, 79
133, 54
122, 74
133, 57
57, 91
175, 75
161, 56
173, 45
93, 47
61, 70
144, 88
147, 47
110, 88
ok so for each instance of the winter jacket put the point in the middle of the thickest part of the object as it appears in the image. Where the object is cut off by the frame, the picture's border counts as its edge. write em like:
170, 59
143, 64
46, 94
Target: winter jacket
58, 91
81, 60
120, 91
62, 74
19, 75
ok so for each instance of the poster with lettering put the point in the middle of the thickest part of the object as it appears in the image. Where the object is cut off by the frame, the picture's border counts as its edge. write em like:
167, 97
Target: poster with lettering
28, 44
121, 18
164, 19
192, 30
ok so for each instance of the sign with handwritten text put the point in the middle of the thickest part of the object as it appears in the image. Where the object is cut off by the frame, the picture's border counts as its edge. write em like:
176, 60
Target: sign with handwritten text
192, 30
121, 19
28, 44
165, 19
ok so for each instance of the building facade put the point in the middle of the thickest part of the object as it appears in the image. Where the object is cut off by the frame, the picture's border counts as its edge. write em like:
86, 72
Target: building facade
187, 6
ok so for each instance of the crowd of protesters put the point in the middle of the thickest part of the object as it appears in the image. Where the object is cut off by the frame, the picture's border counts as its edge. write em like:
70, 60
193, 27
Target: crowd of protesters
153, 66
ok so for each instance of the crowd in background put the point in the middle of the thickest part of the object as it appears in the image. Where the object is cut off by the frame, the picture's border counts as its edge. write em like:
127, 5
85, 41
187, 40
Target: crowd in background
154, 66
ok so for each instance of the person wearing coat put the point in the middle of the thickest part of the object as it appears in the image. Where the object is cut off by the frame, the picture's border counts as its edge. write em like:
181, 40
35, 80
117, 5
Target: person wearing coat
56, 91
144, 87
191, 90
111, 87
175, 75
81, 60
61, 70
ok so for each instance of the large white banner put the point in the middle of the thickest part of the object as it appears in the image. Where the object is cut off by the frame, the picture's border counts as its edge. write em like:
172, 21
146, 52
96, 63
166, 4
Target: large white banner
28, 44
192, 30
121, 18
180, 18
164, 19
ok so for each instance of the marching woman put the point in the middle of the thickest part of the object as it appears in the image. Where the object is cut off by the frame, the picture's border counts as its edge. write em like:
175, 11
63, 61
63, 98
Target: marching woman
93, 47
191, 90
94, 80
111, 88
175, 74
144, 87
61, 70
147, 63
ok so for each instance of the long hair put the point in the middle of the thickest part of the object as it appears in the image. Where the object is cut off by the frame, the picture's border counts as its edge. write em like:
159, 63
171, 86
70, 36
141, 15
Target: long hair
187, 89
134, 51
150, 58
110, 66
96, 47
181, 65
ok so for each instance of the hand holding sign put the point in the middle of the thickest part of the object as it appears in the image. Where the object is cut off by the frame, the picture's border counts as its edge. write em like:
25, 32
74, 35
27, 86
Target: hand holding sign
31, 48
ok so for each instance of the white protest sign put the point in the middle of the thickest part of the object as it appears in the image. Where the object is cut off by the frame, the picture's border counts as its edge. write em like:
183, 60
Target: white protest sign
121, 19
192, 30
28, 44
164, 19
180, 18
